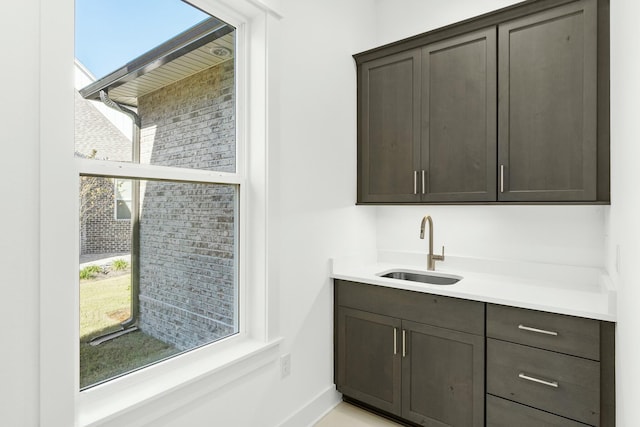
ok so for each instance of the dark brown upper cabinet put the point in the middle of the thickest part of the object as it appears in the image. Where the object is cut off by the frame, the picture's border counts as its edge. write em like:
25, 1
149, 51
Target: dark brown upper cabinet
511, 106
459, 119
389, 128
412, 147
548, 105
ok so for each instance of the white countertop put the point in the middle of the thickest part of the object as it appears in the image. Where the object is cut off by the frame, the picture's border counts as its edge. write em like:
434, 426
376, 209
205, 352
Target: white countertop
573, 290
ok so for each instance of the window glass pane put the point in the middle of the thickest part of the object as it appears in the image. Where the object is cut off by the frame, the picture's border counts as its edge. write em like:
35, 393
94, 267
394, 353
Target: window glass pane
123, 209
191, 123
179, 79
161, 288
123, 189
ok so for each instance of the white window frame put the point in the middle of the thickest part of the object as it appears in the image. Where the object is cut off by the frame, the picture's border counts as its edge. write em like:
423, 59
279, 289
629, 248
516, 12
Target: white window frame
194, 373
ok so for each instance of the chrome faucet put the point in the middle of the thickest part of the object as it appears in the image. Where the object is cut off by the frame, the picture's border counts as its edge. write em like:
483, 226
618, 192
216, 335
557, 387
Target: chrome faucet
431, 258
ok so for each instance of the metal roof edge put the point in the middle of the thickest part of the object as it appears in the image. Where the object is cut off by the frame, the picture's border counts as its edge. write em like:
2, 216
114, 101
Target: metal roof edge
191, 39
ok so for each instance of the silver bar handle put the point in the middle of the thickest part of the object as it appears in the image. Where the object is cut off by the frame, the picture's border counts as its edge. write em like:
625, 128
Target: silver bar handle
553, 384
404, 343
395, 341
415, 182
424, 187
536, 330
502, 178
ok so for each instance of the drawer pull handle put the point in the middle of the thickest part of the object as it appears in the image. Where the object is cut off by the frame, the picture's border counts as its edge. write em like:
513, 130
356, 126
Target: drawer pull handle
553, 384
540, 331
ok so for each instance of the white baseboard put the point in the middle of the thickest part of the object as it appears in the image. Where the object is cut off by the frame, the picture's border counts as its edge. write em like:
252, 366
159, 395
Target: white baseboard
315, 409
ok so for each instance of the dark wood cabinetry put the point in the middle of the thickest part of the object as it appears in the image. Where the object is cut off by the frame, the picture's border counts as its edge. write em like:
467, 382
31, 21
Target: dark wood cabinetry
509, 107
459, 119
548, 369
389, 128
412, 147
386, 357
423, 359
442, 376
368, 366
548, 105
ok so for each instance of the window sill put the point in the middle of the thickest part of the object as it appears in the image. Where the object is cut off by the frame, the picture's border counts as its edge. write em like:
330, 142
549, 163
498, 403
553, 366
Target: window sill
196, 373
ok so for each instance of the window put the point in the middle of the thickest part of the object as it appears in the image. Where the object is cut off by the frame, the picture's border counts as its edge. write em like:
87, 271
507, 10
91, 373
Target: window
123, 199
61, 401
159, 251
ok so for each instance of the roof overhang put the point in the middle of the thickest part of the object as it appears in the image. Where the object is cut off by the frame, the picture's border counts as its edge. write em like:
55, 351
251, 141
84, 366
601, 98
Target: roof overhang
202, 46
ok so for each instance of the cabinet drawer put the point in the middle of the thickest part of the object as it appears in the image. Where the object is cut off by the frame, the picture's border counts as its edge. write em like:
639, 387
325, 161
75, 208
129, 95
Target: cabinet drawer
565, 334
504, 413
554, 382
451, 313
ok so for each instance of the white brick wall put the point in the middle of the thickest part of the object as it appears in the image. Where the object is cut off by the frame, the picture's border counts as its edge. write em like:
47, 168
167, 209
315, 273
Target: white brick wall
187, 294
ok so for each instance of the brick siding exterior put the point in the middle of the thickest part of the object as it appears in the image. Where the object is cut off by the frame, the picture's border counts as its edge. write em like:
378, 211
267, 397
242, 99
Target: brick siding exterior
100, 232
187, 231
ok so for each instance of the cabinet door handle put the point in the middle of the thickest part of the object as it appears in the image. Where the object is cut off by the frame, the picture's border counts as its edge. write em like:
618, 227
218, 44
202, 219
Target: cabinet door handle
502, 178
404, 343
424, 187
415, 182
553, 384
536, 330
395, 341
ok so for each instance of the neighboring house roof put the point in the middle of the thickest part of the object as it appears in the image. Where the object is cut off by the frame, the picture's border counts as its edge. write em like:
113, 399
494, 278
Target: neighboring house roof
200, 47
93, 131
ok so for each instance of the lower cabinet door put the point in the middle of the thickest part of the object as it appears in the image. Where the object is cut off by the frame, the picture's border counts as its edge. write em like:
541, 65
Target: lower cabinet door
368, 358
504, 413
442, 376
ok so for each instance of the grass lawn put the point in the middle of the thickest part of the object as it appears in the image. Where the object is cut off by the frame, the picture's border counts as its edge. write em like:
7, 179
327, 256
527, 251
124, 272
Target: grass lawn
104, 304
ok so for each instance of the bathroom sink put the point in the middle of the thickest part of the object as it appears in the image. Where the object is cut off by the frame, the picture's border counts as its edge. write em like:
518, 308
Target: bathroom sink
412, 276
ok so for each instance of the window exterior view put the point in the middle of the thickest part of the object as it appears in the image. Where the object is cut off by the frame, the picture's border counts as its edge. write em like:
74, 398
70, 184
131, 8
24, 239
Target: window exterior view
158, 251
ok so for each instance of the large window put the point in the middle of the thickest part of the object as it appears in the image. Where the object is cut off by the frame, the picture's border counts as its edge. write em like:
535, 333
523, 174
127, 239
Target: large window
160, 206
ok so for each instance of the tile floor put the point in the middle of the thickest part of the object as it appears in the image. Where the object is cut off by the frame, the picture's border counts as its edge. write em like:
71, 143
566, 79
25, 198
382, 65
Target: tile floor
347, 415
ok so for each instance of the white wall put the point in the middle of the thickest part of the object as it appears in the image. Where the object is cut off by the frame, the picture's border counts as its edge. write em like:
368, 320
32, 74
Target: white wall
312, 136
623, 226
398, 19
559, 235
19, 188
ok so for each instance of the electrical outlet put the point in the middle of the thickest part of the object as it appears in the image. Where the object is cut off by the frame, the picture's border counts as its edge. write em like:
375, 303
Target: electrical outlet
285, 365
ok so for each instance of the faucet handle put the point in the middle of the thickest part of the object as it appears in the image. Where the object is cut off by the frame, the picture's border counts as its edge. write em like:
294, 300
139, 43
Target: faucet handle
439, 257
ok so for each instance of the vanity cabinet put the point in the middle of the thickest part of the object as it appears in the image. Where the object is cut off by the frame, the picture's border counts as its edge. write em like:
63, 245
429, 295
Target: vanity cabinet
509, 107
415, 356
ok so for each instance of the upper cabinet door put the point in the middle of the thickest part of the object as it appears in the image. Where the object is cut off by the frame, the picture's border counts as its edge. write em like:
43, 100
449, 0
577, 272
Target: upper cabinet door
548, 105
459, 118
389, 134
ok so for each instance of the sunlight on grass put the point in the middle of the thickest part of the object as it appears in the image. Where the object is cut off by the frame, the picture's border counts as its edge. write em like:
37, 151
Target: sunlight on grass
119, 356
104, 303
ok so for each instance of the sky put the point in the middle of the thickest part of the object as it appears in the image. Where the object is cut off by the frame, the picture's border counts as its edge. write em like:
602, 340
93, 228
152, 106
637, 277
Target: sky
110, 33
